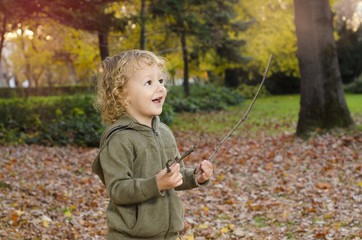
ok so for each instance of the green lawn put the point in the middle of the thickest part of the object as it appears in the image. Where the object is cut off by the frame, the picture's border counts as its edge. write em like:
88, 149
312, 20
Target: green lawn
271, 114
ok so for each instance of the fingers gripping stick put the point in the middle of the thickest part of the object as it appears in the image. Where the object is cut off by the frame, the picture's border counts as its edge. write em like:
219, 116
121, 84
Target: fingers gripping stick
178, 160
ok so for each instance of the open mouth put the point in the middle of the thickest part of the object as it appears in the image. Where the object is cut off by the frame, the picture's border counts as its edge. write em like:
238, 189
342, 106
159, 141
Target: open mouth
157, 100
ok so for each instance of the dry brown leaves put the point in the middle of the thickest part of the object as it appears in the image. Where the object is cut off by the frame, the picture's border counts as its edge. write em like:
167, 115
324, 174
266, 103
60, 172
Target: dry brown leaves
263, 188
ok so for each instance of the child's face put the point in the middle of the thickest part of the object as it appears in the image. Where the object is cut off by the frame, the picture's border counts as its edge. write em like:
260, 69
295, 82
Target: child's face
146, 94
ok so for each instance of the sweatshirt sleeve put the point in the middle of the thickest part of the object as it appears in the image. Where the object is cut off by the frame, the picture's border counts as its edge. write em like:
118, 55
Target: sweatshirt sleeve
116, 161
189, 180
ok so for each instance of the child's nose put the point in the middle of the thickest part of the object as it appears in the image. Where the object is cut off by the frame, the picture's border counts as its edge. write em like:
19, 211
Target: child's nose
160, 87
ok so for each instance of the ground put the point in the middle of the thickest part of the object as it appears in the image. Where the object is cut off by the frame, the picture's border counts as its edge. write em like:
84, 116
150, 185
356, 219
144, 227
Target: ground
264, 187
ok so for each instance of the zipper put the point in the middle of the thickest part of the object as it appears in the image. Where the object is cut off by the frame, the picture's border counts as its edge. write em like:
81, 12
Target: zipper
166, 192
155, 132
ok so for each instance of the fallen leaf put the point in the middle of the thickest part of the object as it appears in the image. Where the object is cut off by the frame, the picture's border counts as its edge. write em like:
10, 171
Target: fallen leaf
203, 226
224, 230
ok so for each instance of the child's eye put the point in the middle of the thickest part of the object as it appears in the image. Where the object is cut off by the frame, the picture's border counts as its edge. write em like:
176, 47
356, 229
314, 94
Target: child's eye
161, 81
148, 83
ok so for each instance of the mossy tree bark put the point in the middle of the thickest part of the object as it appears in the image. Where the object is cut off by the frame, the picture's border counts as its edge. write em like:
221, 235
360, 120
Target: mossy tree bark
322, 103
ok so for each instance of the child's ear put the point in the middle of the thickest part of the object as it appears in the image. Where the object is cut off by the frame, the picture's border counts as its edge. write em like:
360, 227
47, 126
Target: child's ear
125, 101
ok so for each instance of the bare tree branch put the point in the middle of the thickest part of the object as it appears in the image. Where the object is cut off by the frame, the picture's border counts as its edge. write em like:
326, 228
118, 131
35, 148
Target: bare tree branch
178, 160
188, 152
247, 112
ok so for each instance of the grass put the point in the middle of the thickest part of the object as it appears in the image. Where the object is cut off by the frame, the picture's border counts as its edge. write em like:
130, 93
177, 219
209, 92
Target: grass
270, 114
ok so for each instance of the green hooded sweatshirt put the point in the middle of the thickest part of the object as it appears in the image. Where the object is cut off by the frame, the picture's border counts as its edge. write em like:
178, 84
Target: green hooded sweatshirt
127, 163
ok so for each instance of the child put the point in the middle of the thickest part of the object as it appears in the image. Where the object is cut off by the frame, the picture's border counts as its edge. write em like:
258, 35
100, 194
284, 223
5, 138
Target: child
134, 150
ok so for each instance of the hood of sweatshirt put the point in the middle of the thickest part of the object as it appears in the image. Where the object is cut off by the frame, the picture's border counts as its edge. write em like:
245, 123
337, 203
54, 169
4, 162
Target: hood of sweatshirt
124, 122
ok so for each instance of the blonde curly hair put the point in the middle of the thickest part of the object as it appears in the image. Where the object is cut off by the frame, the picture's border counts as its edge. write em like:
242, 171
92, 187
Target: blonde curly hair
116, 72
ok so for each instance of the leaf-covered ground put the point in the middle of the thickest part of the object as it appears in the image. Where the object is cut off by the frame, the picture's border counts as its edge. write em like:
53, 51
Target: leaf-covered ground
264, 187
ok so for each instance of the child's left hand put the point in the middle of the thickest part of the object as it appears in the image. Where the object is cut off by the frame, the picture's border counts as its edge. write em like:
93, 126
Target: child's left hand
207, 169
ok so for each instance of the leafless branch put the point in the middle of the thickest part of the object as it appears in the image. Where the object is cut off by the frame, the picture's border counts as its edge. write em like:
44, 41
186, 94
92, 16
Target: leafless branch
247, 112
188, 152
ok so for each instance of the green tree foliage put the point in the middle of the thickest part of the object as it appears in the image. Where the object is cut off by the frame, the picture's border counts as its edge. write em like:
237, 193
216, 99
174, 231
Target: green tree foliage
223, 40
207, 31
218, 36
273, 32
181, 20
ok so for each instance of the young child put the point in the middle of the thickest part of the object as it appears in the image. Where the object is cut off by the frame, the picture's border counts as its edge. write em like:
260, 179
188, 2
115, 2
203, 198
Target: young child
134, 150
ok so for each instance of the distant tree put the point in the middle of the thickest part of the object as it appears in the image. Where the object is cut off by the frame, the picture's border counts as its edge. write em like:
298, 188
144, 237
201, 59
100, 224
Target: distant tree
30, 55
9, 20
4, 18
204, 28
224, 37
322, 104
48, 53
180, 19
92, 15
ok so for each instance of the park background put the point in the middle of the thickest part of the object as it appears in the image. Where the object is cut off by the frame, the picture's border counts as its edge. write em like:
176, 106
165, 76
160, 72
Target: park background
270, 183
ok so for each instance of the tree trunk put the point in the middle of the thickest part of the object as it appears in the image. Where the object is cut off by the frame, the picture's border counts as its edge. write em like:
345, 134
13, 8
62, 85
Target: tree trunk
322, 103
72, 72
232, 77
103, 44
2, 39
143, 25
186, 63
27, 73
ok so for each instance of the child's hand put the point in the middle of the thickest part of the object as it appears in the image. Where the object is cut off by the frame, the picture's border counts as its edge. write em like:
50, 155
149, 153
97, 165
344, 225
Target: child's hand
207, 169
166, 181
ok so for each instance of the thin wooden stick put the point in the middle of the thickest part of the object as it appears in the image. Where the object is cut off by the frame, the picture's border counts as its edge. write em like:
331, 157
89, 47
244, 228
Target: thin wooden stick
178, 160
247, 112
188, 152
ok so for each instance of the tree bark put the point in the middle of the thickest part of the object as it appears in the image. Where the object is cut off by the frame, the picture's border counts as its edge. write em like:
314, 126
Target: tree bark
143, 25
103, 44
322, 103
2, 39
186, 63
232, 77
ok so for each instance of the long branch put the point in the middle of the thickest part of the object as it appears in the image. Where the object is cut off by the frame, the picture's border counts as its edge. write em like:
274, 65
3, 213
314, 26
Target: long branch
247, 112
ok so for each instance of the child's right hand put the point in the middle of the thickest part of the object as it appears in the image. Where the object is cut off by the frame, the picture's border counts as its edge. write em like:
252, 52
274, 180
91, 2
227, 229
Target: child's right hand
166, 181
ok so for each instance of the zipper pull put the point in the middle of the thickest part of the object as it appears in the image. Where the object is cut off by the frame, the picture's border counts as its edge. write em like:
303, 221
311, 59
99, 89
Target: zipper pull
155, 131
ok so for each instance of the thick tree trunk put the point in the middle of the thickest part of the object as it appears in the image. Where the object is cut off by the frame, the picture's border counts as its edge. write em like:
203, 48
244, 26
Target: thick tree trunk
103, 44
143, 25
322, 103
186, 63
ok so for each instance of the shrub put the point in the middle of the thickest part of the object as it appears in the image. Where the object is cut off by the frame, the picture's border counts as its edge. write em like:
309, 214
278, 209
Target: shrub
44, 91
202, 97
248, 91
282, 83
72, 120
355, 86
51, 120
